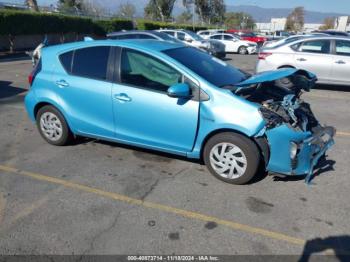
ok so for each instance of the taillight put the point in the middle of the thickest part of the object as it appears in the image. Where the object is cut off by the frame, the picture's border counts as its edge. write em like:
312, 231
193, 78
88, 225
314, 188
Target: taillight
263, 55
34, 72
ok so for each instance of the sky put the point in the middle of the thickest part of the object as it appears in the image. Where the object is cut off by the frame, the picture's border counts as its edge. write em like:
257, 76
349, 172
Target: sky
340, 6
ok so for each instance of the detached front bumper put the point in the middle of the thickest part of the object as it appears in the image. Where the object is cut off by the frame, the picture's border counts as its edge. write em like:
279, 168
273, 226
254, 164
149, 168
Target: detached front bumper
295, 152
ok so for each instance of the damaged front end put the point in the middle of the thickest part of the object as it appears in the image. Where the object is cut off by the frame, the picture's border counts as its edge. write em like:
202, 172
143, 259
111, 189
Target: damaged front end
296, 139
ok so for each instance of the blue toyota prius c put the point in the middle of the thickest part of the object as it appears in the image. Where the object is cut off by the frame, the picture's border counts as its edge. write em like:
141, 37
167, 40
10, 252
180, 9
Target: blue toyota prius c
177, 99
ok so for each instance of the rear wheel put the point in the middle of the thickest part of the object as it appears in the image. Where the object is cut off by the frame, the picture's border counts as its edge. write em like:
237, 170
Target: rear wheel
52, 126
231, 157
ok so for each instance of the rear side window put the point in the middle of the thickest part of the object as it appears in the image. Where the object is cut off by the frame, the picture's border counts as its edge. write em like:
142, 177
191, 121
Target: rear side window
66, 61
181, 36
216, 37
342, 47
91, 62
316, 46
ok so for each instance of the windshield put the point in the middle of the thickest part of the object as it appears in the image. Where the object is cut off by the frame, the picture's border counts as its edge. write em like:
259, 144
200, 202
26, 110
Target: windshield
210, 68
193, 35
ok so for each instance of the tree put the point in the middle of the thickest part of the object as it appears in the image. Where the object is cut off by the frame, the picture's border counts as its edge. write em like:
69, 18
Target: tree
218, 9
328, 23
209, 11
70, 6
295, 20
184, 17
93, 9
159, 9
32, 4
239, 20
126, 11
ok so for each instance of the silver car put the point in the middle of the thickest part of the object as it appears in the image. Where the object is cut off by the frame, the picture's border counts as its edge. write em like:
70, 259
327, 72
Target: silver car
326, 56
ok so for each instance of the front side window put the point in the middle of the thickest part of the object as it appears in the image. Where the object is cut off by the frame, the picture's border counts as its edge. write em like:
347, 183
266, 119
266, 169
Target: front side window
141, 70
342, 47
91, 62
228, 37
210, 68
316, 46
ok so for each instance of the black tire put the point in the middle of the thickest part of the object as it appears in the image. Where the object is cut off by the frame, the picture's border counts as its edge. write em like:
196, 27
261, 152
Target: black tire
242, 50
66, 135
248, 147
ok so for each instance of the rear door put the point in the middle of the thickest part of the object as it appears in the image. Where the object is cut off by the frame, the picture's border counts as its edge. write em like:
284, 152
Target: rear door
315, 56
84, 88
144, 113
341, 62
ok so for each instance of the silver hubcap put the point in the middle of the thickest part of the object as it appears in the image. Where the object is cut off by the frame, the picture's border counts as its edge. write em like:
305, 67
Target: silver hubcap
242, 51
228, 160
51, 126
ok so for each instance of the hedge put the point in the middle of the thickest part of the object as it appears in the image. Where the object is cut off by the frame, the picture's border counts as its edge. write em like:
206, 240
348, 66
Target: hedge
14, 23
25, 23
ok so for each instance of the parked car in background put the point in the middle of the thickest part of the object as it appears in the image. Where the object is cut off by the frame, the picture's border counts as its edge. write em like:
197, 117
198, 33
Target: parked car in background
142, 34
332, 32
177, 99
277, 35
249, 36
213, 47
234, 44
206, 33
274, 43
326, 56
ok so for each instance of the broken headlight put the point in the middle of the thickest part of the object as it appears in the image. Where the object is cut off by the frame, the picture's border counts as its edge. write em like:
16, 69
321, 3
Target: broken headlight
271, 118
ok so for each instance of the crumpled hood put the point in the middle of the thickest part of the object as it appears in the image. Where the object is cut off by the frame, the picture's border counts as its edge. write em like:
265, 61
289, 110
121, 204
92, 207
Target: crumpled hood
269, 76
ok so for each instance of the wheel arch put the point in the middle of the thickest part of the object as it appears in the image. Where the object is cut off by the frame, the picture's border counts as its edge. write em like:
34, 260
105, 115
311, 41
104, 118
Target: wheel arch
219, 131
286, 66
41, 104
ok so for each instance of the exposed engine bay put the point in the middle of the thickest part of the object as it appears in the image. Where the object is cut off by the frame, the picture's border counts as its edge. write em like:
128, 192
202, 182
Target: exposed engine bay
281, 101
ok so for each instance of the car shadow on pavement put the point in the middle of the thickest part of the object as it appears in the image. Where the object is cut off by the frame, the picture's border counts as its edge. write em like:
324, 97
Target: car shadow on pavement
339, 245
323, 166
332, 88
6, 90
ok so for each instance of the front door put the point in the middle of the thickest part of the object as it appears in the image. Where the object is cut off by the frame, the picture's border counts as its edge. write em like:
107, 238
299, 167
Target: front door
144, 113
341, 62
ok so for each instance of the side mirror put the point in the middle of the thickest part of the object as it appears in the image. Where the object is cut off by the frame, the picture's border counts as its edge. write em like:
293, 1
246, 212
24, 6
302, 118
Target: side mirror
180, 90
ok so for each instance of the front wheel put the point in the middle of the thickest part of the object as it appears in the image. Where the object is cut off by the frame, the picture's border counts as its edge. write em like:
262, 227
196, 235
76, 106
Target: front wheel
231, 157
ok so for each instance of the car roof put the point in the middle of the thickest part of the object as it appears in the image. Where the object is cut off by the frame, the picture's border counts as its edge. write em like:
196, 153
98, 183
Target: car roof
140, 44
132, 32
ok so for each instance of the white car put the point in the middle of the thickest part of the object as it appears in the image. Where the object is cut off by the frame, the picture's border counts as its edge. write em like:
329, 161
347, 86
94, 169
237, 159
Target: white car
328, 57
233, 44
206, 33
190, 38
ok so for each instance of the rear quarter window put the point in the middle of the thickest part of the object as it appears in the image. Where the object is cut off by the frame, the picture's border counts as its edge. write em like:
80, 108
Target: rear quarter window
91, 62
66, 61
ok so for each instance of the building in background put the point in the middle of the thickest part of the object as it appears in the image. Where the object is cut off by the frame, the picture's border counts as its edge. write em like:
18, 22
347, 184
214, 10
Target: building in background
341, 23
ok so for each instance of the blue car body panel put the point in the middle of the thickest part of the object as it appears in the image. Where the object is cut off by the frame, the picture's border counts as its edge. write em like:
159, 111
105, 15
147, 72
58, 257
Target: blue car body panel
121, 113
269, 76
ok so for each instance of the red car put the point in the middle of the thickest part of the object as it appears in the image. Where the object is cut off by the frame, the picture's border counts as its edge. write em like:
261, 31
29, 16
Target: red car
248, 35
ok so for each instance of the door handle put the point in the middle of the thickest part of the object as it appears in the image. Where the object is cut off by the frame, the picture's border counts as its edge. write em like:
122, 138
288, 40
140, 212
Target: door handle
62, 83
122, 97
302, 59
341, 62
